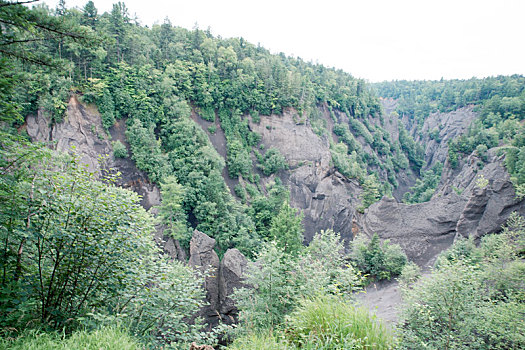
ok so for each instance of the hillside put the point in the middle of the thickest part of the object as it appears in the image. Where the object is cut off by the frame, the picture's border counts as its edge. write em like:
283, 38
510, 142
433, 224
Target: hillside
253, 163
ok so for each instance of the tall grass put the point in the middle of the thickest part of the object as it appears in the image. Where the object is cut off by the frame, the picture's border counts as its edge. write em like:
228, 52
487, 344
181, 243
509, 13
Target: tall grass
109, 338
324, 322
266, 340
328, 322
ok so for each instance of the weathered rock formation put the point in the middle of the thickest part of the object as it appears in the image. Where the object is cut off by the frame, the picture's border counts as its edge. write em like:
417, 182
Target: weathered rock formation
81, 132
222, 278
423, 230
443, 127
231, 273
327, 198
205, 259
460, 207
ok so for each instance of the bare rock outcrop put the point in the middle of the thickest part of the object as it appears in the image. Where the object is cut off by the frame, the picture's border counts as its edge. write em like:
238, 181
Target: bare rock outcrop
81, 131
205, 259
231, 275
439, 128
222, 277
491, 199
422, 230
327, 198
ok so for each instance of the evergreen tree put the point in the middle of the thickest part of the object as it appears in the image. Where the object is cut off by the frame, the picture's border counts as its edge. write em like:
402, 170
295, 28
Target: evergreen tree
287, 230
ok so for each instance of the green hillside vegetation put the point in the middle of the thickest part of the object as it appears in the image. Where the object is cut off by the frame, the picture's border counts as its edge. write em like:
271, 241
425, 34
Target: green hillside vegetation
501, 104
79, 267
155, 77
475, 296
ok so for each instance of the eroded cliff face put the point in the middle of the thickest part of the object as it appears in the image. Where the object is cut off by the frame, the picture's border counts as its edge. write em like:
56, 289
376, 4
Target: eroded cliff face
438, 129
81, 132
460, 206
471, 200
327, 198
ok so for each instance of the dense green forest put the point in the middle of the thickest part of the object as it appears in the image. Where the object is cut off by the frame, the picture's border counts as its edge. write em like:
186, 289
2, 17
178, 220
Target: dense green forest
154, 77
79, 267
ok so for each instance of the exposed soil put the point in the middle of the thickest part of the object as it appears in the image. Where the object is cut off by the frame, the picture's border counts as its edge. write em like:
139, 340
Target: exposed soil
383, 299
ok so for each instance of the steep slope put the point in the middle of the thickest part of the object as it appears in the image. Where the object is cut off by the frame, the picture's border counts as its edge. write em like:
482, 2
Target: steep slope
327, 198
472, 199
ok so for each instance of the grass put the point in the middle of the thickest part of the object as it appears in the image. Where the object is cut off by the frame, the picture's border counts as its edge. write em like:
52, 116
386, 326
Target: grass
329, 322
322, 323
109, 338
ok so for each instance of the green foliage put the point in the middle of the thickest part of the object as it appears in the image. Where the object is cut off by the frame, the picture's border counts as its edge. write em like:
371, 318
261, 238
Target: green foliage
264, 340
346, 164
361, 130
80, 252
515, 163
238, 161
424, 188
414, 151
80, 231
323, 322
287, 229
371, 193
411, 273
281, 280
170, 210
325, 269
273, 161
329, 322
501, 95
119, 150
109, 338
274, 293
158, 312
265, 208
146, 151
474, 297
106, 106
500, 100
379, 260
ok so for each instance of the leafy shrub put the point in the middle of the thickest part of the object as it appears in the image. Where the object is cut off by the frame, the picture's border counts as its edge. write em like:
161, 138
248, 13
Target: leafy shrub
325, 269
274, 293
97, 262
371, 192
239, 161
380, 260
273, 161
119, 150
474, 297
265, 340
287, 230
410, 273
280, 280
146, 151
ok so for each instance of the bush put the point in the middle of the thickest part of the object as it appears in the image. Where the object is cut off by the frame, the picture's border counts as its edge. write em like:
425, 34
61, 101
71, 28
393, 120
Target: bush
119, 150
380, 260
324, 322
474, 297
266, 340
274, 290
273, 161
324, 268
410, 273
